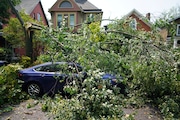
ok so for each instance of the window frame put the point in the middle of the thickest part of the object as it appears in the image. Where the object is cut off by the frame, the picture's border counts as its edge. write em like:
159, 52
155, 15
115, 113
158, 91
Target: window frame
68, 19
38, 17
64, 2
133, 24
59, 22
178, 30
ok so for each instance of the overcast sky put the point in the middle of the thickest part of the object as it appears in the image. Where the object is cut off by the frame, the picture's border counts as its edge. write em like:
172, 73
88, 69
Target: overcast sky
118, 8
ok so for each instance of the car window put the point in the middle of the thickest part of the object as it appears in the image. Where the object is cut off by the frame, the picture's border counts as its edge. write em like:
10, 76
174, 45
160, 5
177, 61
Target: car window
63, 68
47, 68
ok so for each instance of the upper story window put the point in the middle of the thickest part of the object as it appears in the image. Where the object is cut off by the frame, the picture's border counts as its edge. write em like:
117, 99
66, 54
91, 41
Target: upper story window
65, 4
133, 24
178, 30
38, 16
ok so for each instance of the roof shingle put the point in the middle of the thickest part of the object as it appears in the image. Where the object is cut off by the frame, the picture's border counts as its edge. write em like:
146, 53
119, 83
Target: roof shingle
27, 5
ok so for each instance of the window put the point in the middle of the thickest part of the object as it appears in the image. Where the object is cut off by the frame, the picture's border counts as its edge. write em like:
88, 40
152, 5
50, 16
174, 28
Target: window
59, 20
38, 16
69, 20
72, 19
65, 4
178, 30
133, 24
66, 17
47, 68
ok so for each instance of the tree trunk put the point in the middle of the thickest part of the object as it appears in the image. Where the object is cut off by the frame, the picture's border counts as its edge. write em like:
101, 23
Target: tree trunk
28, 36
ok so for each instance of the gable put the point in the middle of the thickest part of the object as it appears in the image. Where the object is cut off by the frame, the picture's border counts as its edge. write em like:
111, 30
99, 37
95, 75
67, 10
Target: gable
143, 22
56, 6
77, 5
140, 23
32, 7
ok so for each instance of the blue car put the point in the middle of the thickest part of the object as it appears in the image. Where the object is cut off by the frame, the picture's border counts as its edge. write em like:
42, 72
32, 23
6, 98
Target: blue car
2, 63
50, 77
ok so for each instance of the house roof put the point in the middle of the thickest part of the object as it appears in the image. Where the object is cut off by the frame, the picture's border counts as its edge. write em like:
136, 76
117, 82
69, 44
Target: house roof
86, 5
174, 19
83, 5
140, 16
27, 5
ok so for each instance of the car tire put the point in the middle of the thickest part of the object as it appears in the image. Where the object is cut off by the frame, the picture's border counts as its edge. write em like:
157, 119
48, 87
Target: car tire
122, 88
34, 89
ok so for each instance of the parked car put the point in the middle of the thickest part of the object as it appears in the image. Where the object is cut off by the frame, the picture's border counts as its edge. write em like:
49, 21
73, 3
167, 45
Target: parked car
49, 77
2, 63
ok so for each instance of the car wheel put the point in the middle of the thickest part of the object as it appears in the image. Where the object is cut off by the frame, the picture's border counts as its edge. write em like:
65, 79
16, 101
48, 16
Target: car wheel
122, 88
34, 89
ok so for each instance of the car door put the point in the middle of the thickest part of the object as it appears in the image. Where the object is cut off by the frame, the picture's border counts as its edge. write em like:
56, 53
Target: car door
50, 79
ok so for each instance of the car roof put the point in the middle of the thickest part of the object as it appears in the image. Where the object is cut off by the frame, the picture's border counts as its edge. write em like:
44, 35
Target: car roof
2, 61
49, 63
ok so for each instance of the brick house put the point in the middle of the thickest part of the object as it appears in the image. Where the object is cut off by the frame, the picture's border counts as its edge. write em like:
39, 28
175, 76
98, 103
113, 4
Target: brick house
74, 12
33, 8
139, 22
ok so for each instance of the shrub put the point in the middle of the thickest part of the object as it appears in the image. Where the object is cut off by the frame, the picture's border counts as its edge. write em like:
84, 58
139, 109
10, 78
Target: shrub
25, 61
170, 107
10, 90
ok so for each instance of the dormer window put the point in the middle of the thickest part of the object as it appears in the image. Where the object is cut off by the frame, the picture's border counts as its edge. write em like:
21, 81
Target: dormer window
178, 30
133, 24
65, 4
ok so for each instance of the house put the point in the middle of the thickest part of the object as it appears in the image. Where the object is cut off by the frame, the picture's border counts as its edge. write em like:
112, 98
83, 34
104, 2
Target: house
139, 22
73, 12
176, 38
33, 8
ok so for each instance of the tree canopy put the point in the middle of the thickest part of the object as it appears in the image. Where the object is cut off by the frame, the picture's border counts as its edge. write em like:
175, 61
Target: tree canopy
4, 8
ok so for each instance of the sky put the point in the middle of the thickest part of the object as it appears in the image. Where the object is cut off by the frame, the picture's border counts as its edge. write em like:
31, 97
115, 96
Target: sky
117, 8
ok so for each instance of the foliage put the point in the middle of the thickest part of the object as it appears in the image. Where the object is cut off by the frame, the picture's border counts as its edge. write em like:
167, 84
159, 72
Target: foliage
25, 61
96, 35
2, 51
10, 90
148, 67
95, 101
170, 107
14, 33
4, 8
165, 20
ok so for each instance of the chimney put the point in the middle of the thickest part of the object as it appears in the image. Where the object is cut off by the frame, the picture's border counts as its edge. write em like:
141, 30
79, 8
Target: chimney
148, 16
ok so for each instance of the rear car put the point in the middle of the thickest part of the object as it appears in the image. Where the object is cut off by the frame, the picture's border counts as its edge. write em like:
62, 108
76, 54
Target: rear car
2, 63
